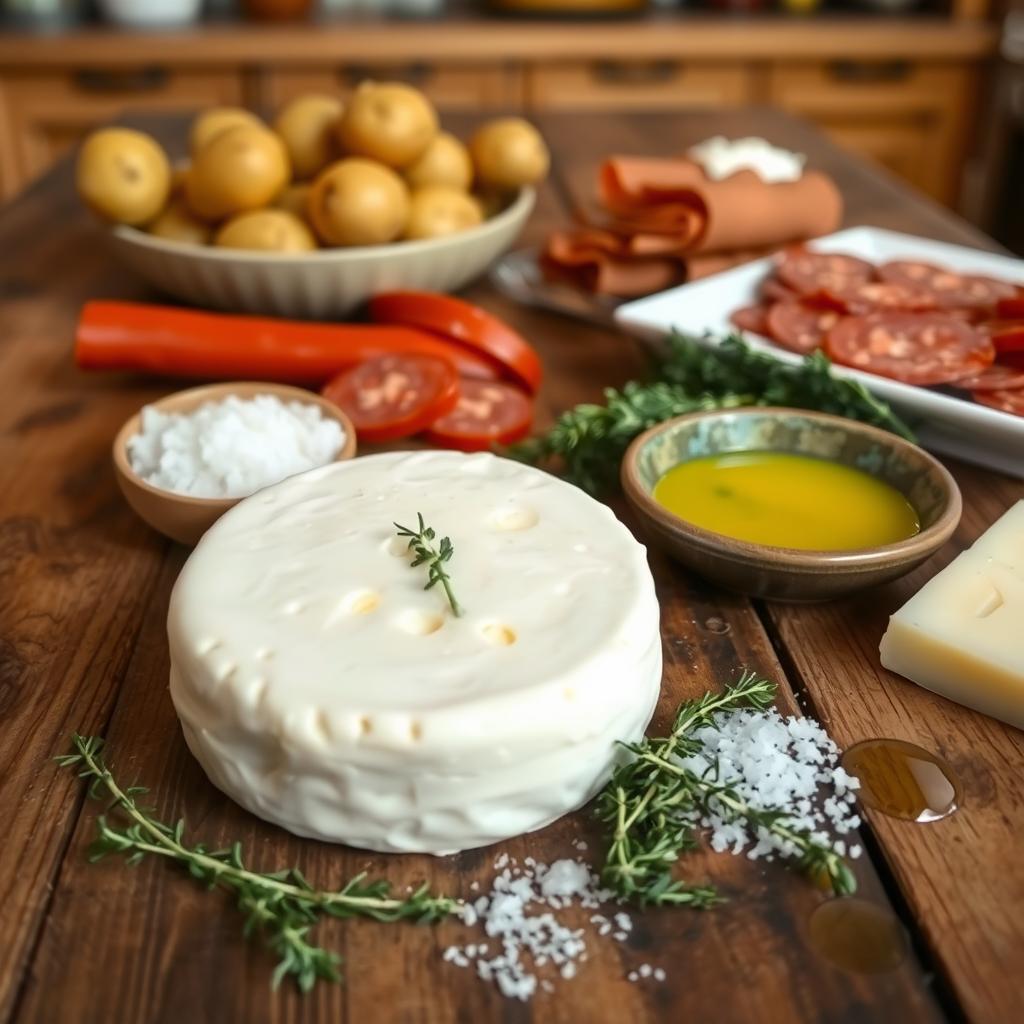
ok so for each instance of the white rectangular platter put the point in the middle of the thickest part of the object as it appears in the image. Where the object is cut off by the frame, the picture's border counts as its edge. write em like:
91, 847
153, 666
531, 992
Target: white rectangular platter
944, 423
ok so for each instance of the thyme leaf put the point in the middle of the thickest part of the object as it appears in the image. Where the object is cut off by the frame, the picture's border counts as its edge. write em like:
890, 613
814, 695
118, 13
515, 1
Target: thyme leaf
281, 906
590, 440
652, 804
421, 542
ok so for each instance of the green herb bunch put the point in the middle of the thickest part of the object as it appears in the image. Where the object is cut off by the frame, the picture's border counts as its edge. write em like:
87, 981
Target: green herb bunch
590, 440
281, 906
421, 542
652, 807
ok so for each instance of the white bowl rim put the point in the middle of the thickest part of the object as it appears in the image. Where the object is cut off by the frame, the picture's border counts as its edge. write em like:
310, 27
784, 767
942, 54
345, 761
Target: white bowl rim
517, 210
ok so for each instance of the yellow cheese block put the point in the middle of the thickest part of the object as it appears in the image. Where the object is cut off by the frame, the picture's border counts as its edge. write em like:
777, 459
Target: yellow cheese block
962, 634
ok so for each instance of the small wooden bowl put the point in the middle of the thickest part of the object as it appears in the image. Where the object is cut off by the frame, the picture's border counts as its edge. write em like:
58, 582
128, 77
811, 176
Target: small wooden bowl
180, 516
790, 574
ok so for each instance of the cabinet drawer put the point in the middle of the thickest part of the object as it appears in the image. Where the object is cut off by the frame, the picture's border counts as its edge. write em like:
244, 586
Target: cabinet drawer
908, 116
47, 114
451, 87
626, 85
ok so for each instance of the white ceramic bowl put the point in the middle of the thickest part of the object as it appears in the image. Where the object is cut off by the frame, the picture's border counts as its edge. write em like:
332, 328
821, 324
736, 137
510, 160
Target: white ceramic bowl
322, 284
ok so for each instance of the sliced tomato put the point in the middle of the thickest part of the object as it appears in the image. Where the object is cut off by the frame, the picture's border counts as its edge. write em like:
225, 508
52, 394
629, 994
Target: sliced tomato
487, 413
466, 324
395, 396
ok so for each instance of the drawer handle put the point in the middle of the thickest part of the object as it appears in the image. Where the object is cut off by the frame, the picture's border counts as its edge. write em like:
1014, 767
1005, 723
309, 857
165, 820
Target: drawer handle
866, 72
130, 80
654, 72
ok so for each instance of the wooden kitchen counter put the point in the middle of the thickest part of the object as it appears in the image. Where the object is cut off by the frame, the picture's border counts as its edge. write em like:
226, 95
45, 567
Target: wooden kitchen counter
83, 602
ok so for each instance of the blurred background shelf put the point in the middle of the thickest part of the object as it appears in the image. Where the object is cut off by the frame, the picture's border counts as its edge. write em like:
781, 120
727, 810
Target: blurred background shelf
900, 90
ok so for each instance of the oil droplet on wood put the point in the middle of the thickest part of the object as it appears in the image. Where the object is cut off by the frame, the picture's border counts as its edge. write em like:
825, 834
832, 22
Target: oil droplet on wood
858, 936
903, 780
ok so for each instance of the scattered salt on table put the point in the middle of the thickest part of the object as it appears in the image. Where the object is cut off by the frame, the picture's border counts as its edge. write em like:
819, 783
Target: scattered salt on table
234, 447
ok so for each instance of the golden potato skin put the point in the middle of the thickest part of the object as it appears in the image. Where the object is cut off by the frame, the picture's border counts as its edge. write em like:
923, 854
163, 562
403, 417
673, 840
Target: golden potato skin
359, 202
295, 199
509, 153
445, 161
307, 127
123, 175
242, 168
266, 230
390, 122
438, 210
178, 223
210, 123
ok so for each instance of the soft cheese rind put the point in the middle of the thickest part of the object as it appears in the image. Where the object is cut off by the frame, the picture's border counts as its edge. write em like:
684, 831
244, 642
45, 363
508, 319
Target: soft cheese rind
962, 634
324, 689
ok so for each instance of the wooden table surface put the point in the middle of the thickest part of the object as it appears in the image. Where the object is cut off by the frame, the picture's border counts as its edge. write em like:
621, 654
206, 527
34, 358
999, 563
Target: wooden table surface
83, 595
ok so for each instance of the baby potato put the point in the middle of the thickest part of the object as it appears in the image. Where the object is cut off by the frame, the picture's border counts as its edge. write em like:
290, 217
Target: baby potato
295, 199
179, 224
306, 126
359, 202
123, 175
240, 169
509, 153
210, 123
444, 162
268, 230
388, 121
441, 210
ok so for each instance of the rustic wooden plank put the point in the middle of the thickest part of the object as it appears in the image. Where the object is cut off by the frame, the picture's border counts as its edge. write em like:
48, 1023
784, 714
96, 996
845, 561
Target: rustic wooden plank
166, 951
76, 568
962, 878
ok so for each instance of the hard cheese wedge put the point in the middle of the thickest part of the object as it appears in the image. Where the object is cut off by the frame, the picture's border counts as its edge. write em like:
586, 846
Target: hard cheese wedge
962, 634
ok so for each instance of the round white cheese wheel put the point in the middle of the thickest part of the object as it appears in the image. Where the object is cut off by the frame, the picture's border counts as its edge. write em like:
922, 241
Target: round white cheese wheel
323, 688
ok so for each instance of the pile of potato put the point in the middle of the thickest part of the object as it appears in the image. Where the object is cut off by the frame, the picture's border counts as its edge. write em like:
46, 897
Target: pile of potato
376, 169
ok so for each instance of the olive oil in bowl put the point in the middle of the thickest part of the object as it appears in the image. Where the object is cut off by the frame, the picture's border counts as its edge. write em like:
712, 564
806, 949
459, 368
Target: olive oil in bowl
787, 500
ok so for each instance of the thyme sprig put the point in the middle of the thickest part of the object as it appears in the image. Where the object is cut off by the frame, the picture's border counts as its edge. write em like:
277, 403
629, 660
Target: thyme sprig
590, 440
652, 807
421, 542
281, 906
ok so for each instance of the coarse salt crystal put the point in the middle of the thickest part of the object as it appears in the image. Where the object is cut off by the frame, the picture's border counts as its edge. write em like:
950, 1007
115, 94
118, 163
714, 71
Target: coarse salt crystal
233, 447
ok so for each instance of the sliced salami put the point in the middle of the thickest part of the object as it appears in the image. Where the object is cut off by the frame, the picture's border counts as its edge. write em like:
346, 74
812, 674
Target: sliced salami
773, 290
1011, 309
798, 327
952, 290
751, 318
1010, 400
809, 272
916, 348
870, 296
997, 377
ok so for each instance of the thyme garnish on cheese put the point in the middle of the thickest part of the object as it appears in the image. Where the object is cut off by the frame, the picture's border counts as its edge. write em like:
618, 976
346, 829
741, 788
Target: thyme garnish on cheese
281, 906
421, 542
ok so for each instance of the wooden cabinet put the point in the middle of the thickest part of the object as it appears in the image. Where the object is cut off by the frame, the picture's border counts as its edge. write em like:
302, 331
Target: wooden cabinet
450, 86
633, 84
910, 117
45, 114
900, 91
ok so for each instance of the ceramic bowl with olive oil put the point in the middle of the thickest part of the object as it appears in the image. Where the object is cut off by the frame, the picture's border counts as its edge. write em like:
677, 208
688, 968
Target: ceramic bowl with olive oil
789, 504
